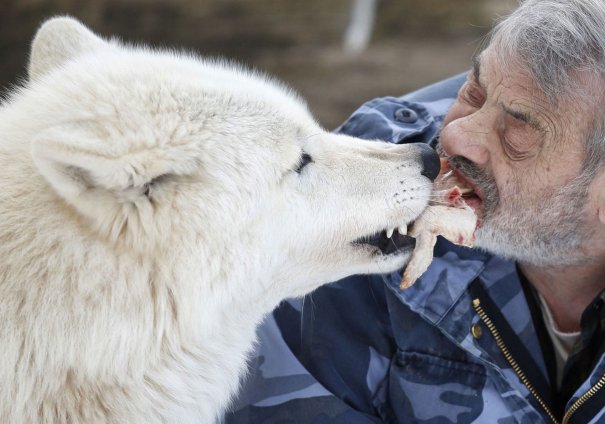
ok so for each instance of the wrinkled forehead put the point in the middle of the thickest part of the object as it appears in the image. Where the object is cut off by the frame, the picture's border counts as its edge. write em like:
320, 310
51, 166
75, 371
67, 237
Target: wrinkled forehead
496, 68
561, 80
506, 77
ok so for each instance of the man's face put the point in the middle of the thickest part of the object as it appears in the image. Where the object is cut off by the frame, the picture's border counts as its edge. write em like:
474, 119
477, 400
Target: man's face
521, 155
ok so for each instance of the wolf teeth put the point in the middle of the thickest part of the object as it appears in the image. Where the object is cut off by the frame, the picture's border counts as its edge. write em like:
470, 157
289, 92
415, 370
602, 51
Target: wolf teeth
403, 230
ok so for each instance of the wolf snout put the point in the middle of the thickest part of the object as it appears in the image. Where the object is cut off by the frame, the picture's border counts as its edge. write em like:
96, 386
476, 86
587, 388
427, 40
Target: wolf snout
431, 164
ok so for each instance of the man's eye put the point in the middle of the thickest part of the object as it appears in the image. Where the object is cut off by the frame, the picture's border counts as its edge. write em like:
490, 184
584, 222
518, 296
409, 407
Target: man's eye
473, 96
516, 148
304, 160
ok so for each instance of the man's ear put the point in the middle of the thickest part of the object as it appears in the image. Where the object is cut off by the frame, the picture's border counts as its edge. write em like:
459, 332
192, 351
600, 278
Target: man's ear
597, 194
57, 41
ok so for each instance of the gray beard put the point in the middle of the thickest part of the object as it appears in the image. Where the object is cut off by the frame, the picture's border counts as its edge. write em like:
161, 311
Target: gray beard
543, 229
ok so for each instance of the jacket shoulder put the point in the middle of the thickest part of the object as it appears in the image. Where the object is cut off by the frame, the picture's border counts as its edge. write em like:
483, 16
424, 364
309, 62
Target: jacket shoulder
415, 117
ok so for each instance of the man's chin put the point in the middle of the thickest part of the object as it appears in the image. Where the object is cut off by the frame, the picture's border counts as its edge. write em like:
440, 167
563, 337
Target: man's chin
494, 239
493, 243
496, 242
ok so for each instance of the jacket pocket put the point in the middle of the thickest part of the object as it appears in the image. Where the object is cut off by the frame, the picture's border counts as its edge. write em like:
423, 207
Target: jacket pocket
430, 389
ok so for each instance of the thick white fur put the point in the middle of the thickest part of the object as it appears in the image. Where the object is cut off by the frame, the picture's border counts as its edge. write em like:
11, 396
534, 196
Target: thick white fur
150, 217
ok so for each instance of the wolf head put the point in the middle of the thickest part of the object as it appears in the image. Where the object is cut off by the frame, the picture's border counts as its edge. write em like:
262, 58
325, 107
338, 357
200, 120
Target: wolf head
153, 207
163, 148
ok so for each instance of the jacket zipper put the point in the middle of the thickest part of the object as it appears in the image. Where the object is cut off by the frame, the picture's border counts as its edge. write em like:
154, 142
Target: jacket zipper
582, 399
512, 362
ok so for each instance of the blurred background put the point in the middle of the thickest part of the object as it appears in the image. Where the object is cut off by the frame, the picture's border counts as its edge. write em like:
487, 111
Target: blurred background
335, 53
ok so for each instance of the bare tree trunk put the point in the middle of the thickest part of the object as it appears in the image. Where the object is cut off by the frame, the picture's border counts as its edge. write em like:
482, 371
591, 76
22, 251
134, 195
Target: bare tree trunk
359, 31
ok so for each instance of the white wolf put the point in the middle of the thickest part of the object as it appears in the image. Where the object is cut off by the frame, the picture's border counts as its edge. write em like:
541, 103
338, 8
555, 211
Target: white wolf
154, 207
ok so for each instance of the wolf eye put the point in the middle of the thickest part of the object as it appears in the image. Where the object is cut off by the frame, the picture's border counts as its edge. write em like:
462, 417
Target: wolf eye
304, 160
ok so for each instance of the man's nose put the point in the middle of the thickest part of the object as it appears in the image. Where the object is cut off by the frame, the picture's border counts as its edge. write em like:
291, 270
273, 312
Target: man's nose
431, 165
466, 137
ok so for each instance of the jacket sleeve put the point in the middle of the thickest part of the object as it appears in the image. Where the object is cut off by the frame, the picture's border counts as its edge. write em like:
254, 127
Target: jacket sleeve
322, 359
326, 358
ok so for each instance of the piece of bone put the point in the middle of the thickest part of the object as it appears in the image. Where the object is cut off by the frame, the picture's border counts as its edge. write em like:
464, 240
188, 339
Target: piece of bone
456, 223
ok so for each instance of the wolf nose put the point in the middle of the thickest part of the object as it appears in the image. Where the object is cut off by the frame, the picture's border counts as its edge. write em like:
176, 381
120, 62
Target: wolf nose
431, 164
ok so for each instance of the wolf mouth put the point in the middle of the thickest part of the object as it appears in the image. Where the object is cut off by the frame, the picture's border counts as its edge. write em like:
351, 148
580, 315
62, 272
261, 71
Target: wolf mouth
388, 245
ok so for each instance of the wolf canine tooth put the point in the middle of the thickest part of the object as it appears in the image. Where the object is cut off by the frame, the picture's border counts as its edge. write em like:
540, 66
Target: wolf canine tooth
390, 232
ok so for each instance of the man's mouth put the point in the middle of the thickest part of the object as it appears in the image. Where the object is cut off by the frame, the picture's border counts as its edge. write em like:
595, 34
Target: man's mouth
471, 193
466, 192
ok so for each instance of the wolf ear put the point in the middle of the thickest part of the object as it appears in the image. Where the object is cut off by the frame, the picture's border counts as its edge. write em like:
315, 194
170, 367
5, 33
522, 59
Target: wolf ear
57, 41
78, 164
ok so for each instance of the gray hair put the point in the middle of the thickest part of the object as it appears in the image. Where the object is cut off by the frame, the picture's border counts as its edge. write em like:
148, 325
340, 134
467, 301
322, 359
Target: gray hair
554, 40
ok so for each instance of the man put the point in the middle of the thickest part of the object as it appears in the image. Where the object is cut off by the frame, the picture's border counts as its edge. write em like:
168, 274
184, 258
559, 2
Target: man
511, 332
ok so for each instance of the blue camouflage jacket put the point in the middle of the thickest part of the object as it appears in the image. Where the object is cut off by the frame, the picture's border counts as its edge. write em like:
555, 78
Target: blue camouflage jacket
457, 347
